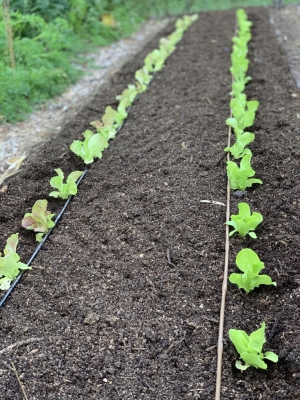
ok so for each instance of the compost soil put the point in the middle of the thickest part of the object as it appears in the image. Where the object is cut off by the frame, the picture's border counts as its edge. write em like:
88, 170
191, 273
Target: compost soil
123, 300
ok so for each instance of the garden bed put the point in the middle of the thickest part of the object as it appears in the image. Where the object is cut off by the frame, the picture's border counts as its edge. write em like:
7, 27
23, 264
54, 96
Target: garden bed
123, 300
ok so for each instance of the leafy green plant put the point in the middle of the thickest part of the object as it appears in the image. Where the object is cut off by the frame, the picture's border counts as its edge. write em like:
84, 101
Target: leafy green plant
143, 79
64, 190
243, 113
111, 120
128, 95
92, 146
237, 88
40, 220
154, 61
244, 222
237, 150
10, 263
249, 263
239, 68
240, 176
239, 104
239, 123
113, 117
250, 347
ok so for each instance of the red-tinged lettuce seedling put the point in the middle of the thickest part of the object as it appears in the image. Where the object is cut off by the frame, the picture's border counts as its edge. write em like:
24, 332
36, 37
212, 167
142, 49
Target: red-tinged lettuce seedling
240, 176
10, 264
40, 220
244, 222
249, 263
64, 190
92, 146
250, 347
113, 119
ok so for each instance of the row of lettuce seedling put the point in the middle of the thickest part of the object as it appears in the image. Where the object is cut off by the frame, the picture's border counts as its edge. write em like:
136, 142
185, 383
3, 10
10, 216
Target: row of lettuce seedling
40, 220
240, 174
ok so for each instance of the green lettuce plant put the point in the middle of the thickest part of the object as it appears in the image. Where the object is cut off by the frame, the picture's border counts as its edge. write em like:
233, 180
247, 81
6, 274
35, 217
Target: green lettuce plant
249, 263
242, 20
238, 150
64, 190
112, 119
240, 176
244, 222
240, 122
10, 263
239, 67
166, 46
154, 61
250, 347
40, 220
92, 146
237, 88
143, 79
128, 95
243, 113
239, 104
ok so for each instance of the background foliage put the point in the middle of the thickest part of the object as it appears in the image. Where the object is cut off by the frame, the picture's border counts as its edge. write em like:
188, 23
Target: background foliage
50, 36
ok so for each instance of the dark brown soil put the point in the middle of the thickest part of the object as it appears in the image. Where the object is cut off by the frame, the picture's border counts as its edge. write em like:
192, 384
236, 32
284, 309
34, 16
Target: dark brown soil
125, 295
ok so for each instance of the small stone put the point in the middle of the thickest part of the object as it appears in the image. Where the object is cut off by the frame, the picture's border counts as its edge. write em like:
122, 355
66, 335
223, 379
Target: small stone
239, 194
91, 319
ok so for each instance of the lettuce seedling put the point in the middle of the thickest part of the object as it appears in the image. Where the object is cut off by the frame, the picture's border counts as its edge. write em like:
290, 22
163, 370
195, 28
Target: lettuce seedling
154, 61
175, 37
40, 220
91, 147
250, 348
244, 222
183, 23
143, 79
240, 176
112, 120
10, 264
167, 46
241, 119
128, 95
237, 150
249, 263
64, 189
239, 104
237, 88
242, 20
239, 67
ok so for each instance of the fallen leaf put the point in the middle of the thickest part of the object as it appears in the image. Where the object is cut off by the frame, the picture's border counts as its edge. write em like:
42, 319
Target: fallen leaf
14, 165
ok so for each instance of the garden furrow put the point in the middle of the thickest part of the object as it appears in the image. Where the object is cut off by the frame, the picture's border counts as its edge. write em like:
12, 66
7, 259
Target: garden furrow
126, 292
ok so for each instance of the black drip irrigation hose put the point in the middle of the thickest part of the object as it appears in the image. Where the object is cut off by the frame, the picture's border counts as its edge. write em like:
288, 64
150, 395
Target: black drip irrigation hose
40, 245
